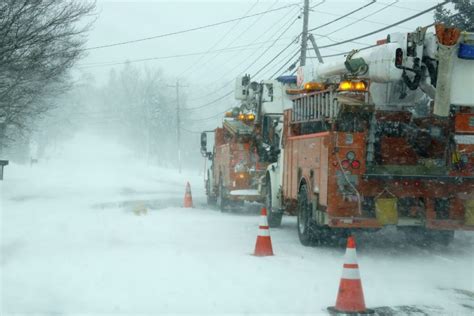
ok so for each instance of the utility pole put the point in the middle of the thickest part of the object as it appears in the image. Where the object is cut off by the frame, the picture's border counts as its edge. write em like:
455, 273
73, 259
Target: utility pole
178, 122
304, 34
178, 126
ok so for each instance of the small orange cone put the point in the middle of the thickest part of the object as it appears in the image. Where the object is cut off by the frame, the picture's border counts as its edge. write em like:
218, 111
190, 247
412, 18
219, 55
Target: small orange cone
263, 246
350, 298
188, 198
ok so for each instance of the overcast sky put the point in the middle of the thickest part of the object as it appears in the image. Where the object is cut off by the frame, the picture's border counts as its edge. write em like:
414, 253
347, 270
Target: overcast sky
245, 44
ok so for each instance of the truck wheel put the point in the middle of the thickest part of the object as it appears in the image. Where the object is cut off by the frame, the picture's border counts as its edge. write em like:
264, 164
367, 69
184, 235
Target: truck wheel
305, 229
221, 199
442, 237
423, 237
274, 218
211, 200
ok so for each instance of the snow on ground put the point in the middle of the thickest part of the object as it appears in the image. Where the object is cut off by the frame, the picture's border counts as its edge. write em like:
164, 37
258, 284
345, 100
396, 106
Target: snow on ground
72, 245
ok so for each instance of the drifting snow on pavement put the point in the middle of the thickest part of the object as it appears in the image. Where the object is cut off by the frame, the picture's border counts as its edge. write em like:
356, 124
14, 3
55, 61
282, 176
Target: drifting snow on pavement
71, 244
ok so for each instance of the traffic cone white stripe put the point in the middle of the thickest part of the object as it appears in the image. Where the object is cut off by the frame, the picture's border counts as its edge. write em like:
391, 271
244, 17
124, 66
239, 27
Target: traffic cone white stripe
351, 256
350, 274
263, 221
263, 232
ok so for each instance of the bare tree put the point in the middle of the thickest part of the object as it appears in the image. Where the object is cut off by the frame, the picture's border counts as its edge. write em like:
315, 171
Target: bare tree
40, 40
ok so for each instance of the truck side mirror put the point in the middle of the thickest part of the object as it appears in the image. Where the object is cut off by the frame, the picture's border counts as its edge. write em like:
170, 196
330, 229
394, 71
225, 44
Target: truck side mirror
203, 141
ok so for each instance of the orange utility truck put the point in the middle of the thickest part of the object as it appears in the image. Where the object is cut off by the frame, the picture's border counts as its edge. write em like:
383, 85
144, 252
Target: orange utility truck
383, 137
234, 171
247, 143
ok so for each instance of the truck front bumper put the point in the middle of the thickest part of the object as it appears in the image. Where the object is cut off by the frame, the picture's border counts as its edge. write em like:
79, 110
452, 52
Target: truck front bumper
245, 195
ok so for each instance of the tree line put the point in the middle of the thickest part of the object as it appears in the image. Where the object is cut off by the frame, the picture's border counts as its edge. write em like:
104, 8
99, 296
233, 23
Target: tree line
40, 40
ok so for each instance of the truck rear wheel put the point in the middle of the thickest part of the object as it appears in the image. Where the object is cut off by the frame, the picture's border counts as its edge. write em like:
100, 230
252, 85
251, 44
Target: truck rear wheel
442, 237
274, 218
221, 199
305, 226
211, 200
421, 236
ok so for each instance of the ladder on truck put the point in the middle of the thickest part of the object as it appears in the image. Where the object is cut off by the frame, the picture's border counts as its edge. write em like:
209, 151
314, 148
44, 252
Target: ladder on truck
324, 105
315, 106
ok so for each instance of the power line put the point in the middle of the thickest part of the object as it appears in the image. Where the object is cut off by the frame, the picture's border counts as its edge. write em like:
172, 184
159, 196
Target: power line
386, 27
268, 48
345, 53
237, 38
323, 25
230, 92
360, 19
352, 18
400, 7
220, 39
230, 50
262, 68
210, 103
342, 16
209, 117
336, 40
191, 29
286, 63
291, 20
190, 131
317, 4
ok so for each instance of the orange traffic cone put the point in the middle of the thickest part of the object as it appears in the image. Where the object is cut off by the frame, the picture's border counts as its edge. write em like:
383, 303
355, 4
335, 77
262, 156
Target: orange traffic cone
350, 298
188, 198
263, 246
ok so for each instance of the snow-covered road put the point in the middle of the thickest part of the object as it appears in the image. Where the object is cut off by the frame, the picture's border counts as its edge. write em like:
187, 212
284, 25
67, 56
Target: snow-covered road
72, 245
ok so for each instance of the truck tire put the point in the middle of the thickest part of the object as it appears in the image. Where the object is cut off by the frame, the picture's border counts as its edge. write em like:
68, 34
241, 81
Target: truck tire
211, 200
423, 237
221, 199
274, 218
441, 237
304, 222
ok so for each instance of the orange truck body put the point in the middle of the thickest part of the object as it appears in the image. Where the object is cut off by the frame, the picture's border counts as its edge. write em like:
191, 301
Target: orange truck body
236, 169
318, 159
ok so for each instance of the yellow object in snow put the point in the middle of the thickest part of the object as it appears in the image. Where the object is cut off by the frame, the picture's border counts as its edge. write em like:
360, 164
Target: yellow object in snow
140, 209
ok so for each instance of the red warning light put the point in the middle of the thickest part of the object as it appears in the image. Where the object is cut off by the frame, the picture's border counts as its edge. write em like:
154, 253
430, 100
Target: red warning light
355, 164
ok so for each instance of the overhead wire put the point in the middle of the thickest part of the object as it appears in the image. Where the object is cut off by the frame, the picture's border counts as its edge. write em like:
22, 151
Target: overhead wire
190, 29
351, 18
246, 69
289, 22
239, 35
230, 92
230, 50
293, 55
363, 18
323, 25
342, 16
216, 43
386, 27
419, 13
235, 39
